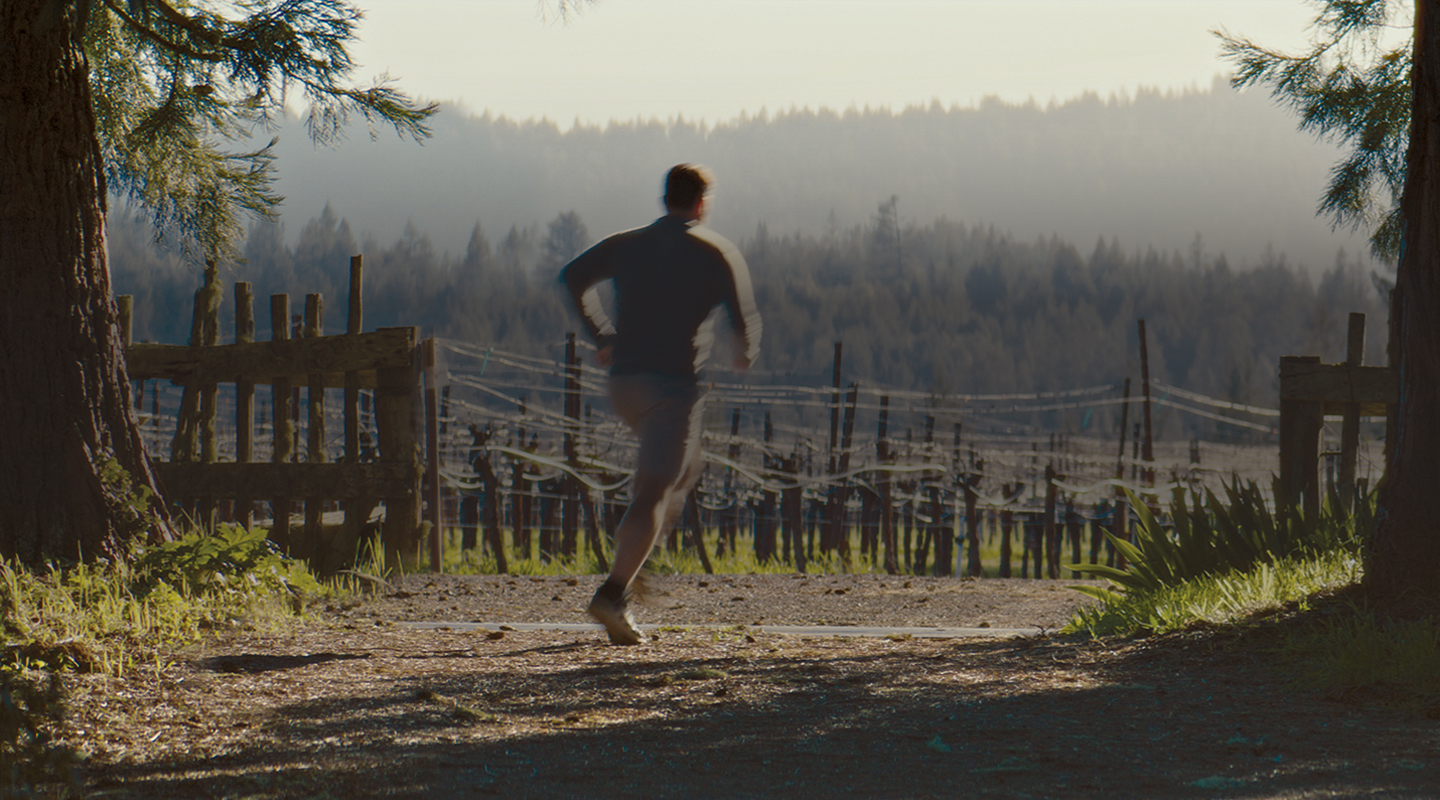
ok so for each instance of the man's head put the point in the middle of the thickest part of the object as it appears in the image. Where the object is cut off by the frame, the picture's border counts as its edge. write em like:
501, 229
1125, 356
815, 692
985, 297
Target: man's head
686, 186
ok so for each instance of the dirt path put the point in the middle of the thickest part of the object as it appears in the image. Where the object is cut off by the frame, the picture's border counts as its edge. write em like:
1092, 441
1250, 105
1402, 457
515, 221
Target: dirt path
355, 707
678, 600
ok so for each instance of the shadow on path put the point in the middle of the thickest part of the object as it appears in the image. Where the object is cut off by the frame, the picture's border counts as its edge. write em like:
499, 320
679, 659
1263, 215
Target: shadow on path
1042, 717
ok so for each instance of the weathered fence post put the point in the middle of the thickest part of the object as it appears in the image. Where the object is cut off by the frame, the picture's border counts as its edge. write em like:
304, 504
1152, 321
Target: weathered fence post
353, 326
952, 556
1007, 529
182, 447
768, 523
208, 390
943, 534
887, 508
795, 513
357, 509
433, 502
839, 535
395, 417
490, 511
827, 542
570, 516
1149, 451
520, 494
1300, 425
1392, 362
1122, 506
310, 547
730, 516
280, 422
1074, 530
972, 525
1052, 532
1350, 427
244, 511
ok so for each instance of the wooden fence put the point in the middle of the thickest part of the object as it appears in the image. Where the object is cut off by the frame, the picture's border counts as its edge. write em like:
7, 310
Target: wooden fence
1310, 391
391, 362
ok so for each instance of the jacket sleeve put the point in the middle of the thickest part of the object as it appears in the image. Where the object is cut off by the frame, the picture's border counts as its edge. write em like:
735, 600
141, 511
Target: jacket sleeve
580, 277
740, 304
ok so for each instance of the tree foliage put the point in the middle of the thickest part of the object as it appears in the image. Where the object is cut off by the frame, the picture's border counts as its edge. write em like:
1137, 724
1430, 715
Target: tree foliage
174, 85
565, 237
1350, 87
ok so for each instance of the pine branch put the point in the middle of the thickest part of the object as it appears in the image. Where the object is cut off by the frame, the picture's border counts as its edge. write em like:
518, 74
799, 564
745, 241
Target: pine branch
221, 77
1344, 88
154, 36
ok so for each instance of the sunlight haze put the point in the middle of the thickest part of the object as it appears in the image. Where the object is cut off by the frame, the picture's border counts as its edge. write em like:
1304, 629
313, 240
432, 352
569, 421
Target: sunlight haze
714, 59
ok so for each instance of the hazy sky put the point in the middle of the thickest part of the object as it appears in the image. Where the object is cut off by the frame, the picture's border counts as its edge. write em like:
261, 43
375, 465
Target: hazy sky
713, 59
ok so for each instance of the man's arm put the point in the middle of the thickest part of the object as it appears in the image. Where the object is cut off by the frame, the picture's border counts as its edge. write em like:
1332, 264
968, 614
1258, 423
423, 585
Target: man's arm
740, 305
580, 277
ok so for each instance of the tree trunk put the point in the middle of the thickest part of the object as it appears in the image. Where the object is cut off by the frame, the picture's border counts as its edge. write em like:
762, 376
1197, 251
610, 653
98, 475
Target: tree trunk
1404, 558
68, 427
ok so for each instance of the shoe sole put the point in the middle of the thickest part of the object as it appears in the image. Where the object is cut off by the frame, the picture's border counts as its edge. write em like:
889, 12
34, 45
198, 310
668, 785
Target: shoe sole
621, 630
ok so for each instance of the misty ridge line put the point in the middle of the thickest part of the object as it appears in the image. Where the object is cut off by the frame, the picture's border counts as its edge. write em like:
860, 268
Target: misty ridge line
764, 114
1152, 169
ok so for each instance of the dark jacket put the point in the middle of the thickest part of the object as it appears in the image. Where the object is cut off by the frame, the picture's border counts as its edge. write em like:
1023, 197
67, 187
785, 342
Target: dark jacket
668, 276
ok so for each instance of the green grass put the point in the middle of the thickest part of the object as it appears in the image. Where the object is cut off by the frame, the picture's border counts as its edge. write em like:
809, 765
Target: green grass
119, 618
114, 617
1354, 652
685, 561
1308, 615
1228, 599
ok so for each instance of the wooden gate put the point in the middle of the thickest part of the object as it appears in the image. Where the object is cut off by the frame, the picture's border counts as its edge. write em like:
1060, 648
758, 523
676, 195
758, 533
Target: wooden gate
390, 361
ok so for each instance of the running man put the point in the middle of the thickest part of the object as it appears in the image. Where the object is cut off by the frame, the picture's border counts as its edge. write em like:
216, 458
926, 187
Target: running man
669, 276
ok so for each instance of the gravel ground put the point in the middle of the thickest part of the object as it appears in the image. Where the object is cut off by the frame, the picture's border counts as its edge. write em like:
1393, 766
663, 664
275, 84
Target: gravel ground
352, 705
678, 600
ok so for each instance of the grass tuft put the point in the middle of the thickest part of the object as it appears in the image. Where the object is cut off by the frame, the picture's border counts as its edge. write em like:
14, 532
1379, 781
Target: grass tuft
1225, 599
1359, 652
111, 617
119, 617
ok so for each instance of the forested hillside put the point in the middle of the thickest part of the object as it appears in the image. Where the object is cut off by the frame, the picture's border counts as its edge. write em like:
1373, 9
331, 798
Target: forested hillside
992, 249
944, 306
1152, 169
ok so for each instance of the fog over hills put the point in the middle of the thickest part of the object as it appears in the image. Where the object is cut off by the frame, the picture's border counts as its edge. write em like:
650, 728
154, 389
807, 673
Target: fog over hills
1150, 171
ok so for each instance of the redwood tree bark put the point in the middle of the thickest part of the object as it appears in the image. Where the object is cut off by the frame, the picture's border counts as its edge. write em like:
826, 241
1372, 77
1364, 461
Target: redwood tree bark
1404, 558
64, 410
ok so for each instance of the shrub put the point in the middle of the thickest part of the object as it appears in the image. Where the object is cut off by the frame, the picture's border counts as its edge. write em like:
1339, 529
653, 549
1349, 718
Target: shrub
1215, 537
232, 559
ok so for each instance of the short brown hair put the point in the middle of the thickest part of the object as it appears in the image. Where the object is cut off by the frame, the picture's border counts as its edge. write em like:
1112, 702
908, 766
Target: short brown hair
686, 185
